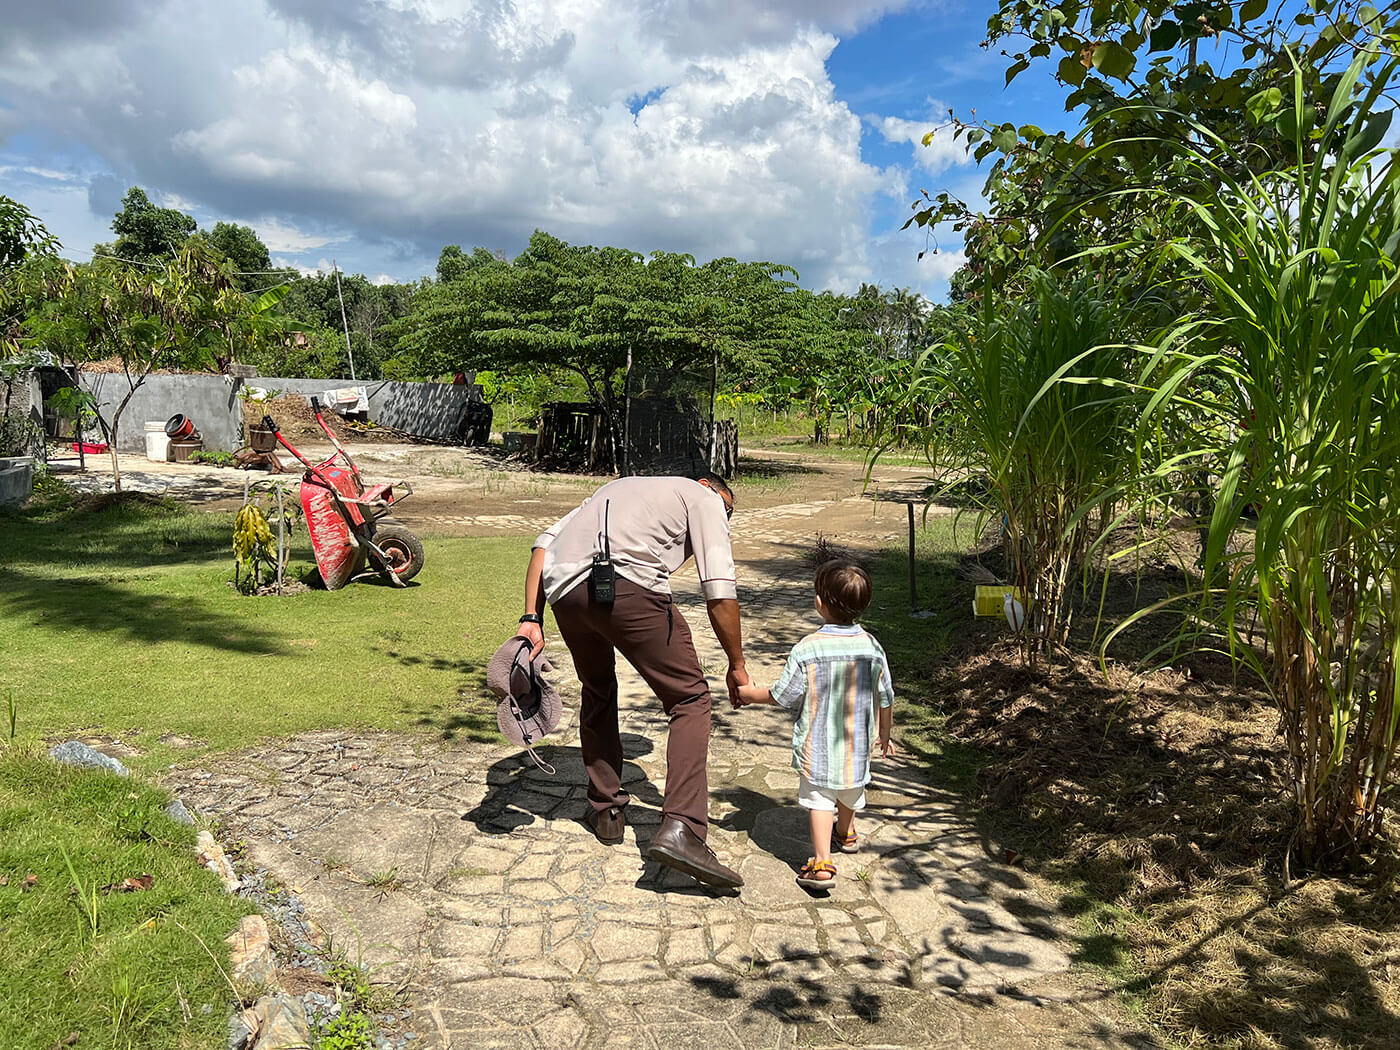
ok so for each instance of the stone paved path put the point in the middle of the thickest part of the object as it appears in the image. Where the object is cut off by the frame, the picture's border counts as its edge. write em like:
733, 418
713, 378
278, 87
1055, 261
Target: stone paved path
514, 928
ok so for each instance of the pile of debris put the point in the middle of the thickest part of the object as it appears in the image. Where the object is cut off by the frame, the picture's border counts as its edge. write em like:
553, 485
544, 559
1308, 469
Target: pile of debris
293, 416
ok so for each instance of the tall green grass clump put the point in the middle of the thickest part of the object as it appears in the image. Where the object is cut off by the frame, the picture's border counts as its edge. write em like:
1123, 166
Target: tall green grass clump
1036, 413
1301, 333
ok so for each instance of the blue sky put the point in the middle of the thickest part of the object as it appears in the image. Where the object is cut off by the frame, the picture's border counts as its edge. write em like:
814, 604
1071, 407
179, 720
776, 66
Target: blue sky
373, 132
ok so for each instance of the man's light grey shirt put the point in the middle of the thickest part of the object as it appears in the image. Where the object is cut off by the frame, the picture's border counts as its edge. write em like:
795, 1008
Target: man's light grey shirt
654, 526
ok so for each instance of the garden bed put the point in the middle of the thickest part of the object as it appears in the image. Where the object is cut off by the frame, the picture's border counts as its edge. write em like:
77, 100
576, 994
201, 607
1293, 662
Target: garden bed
1160, 805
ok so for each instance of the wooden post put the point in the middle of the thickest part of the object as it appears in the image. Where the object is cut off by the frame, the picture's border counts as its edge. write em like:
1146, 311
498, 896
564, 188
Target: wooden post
714, 380
913, 588
281, 537
627, 416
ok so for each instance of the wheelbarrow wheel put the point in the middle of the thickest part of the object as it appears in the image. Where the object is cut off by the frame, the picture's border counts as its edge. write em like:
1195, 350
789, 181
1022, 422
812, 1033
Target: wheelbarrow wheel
403, 548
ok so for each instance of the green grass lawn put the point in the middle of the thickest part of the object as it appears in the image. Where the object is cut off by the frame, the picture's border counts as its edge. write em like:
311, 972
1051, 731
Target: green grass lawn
914, 644
120, 620
123, 970
836, 448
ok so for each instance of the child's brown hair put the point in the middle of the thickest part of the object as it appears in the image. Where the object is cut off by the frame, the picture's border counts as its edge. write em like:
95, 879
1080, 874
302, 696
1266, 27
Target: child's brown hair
844, 588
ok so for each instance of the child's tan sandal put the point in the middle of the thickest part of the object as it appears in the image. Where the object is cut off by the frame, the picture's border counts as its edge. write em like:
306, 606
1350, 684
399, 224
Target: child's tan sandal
817, 875
849, 844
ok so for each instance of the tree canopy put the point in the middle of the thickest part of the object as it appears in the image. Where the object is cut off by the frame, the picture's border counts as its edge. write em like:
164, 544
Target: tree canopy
146, 233
1140, 77
590, 310
241, 246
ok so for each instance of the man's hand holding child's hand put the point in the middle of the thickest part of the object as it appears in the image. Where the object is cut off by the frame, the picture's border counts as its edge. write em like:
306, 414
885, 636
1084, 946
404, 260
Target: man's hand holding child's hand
753, 694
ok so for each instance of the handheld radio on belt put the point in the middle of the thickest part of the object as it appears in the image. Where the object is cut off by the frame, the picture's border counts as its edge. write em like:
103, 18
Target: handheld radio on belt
601, 578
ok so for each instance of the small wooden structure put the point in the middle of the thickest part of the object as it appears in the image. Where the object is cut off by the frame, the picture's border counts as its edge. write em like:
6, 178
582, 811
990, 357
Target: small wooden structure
574, 435
662, 435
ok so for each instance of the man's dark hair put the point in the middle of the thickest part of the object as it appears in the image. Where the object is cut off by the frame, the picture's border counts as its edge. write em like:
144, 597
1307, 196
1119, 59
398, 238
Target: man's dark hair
718, 484
844, 588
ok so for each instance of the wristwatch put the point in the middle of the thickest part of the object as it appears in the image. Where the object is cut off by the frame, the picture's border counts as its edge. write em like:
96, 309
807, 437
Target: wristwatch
534, 618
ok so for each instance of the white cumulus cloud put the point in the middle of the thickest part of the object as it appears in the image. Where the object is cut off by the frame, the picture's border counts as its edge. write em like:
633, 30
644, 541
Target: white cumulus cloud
943, 151
397, 126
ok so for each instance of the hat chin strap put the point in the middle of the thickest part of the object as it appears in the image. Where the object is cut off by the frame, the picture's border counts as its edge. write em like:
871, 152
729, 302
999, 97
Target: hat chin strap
520, 721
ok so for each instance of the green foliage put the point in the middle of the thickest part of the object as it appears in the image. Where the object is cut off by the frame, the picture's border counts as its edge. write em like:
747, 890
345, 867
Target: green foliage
582, 309
519, 399
242, 247
1032, 404
186, 314
453, 263
1138, 75
1300, 335
146, 233
312, 304
317, 353
348, 1030
213, 458
21, 234
23, 241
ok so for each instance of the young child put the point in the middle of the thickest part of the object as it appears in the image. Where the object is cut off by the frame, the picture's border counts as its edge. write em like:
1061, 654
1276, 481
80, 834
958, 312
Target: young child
835, 679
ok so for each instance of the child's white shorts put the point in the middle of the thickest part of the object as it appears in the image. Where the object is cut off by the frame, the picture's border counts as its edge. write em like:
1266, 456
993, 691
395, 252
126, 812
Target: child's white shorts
824, 800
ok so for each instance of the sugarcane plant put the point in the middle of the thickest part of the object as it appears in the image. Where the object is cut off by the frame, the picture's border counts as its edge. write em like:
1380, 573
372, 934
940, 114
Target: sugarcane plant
1301, 335
1036, 412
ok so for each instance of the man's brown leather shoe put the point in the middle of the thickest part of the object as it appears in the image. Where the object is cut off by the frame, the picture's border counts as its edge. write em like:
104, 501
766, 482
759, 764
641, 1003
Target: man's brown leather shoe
676, 846
607, 824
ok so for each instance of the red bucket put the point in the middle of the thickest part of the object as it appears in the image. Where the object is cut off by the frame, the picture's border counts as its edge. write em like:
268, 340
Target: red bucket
177, 427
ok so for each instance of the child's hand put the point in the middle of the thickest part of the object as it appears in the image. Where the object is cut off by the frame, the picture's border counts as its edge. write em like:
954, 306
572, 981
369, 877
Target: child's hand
885, 746
752, 694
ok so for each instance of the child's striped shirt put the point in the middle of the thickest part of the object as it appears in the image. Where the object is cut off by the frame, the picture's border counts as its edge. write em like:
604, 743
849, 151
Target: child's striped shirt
835, 679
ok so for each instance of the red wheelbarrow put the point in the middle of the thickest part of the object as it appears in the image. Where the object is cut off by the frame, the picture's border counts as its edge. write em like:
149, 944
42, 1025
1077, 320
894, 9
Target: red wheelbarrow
350, 525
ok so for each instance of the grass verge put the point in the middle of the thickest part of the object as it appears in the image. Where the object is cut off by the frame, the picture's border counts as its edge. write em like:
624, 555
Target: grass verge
78, 954
118, 618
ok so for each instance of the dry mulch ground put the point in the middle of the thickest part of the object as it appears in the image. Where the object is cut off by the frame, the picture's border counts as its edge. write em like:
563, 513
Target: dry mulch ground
1160, 803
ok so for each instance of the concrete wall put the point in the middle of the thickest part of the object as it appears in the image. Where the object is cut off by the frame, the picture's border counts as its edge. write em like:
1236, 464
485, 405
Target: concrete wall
16, 480
210, 401
426, 410
24, 397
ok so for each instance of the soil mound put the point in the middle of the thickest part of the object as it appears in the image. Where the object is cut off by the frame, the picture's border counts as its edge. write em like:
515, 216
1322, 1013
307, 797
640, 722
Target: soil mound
101, 502
293, 416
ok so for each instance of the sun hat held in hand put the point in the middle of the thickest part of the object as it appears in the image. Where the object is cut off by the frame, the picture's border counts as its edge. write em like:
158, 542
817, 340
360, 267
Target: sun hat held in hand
529, 706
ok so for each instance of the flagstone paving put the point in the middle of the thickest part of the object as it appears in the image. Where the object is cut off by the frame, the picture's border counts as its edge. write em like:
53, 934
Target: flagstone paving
506, 924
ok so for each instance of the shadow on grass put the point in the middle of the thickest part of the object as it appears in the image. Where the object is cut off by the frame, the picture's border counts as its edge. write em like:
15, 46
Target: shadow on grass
65, 569
757, 469
472, 715
115, 532
108, 608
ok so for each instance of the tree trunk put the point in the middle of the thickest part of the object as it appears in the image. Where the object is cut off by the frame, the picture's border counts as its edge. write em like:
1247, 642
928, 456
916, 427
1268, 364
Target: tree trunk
110, 432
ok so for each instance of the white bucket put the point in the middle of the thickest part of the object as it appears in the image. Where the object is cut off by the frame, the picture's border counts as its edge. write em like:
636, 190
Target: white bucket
155, 425
157, 444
